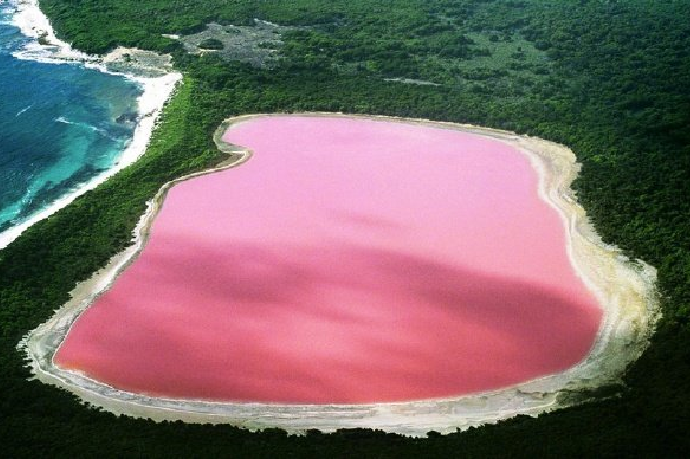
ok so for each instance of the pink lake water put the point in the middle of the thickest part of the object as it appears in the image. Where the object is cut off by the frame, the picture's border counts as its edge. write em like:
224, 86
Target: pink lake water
348, 261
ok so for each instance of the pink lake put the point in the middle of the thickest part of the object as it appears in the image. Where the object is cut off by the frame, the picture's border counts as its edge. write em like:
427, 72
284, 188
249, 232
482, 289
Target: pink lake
348, 261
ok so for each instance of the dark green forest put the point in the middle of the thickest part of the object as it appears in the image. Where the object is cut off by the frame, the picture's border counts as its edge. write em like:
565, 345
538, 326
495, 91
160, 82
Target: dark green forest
610, 79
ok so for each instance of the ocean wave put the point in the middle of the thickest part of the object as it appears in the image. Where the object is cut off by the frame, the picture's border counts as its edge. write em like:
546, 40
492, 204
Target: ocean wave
34, 24
45, 54
62, 119
14, 213
6, 12
23, 110
28, 198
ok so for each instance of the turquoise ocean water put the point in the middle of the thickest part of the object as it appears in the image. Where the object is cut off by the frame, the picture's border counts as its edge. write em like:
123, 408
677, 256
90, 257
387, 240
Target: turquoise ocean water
60, 126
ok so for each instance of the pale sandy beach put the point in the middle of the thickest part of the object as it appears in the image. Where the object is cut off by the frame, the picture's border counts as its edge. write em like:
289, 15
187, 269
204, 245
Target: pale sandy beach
624, 289
156, 91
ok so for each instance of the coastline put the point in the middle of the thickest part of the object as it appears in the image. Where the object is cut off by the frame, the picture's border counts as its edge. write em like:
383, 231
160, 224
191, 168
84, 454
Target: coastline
156, 90
624, 289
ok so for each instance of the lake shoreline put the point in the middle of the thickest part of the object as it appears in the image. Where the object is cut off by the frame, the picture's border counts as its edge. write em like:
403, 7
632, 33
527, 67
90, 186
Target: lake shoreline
630, 311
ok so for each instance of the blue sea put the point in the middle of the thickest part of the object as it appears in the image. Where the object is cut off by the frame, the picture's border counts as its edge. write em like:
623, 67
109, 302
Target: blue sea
61, 125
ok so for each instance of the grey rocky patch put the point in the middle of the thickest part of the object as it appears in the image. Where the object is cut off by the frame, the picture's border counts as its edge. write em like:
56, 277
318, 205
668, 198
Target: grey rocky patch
137, 62
412, 81
257, 45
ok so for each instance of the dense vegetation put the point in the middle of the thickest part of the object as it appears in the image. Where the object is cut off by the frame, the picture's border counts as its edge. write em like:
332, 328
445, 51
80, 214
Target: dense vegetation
609, 79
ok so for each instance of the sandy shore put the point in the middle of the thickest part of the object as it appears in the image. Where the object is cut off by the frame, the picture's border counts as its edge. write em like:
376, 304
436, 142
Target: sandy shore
153, 74
624, 289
